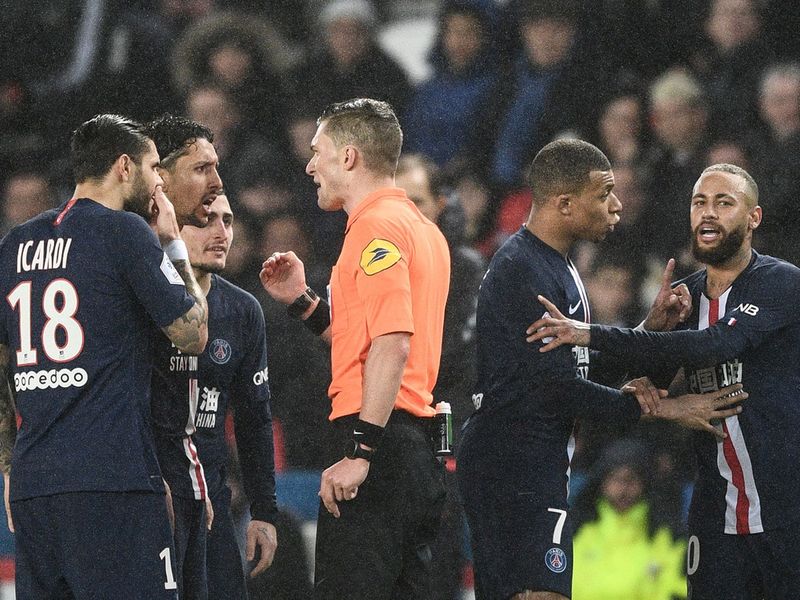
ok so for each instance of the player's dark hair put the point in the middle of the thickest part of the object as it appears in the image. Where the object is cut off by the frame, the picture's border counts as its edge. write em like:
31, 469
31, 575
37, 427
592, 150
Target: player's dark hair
563, 167
174, 135
100, 141
369, 125
434, 174
740, 172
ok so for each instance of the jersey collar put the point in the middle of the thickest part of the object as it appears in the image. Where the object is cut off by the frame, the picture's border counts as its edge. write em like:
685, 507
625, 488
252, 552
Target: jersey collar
372, 198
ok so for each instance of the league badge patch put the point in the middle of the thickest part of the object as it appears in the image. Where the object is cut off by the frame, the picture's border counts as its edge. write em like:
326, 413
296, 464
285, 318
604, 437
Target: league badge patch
556, 560
378, 256
220, 351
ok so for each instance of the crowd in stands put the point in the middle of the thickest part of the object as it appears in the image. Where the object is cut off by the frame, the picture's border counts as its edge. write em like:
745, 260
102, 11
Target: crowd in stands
663, 88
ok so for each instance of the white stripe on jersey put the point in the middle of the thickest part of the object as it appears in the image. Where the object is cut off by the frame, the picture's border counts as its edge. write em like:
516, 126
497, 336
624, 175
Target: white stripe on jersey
736, 446
194, 400
570, 453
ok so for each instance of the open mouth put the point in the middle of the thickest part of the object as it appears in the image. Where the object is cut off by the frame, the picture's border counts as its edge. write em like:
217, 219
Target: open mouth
217, 249
708, 233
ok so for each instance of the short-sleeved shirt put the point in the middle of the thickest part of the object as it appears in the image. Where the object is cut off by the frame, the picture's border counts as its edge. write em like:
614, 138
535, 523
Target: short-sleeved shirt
392, 275
83, 285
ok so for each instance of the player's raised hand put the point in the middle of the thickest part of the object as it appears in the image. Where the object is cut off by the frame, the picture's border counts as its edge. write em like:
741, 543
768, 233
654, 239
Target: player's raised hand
261, 535
7, 500
163, 219
283, 276
704, 411
648, 396
671, 305
555, 330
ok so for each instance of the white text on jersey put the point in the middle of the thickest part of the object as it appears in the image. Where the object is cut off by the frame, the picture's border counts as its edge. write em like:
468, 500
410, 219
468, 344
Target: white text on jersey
49, 254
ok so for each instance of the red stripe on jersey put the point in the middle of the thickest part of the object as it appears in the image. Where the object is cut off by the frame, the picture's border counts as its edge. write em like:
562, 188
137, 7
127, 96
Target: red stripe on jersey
198, 468
63, 213
737, 473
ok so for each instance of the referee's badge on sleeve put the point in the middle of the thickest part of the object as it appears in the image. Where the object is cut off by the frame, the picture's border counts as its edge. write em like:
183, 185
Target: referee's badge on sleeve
169, 271
378, 256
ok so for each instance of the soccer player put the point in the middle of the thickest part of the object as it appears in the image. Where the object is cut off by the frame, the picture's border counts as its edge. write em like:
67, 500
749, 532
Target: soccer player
514, 460
83, 285
189, 170
744, 520
232, 374
188, 166
382, 497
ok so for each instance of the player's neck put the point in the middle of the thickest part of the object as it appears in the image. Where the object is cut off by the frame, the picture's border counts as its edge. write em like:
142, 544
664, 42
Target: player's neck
552, 236
203, 280
720, 277
361, 187
101, 193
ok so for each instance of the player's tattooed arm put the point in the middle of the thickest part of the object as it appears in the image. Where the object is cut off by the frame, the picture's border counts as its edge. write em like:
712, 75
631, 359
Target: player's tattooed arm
8, 415
189, 332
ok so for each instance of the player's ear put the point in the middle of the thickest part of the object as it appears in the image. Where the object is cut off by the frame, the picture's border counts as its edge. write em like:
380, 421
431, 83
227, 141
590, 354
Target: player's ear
123, 167
755, 217
350, 155
563, 203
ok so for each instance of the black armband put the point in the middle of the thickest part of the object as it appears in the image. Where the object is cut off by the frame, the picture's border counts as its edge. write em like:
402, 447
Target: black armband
319, 320
368, 434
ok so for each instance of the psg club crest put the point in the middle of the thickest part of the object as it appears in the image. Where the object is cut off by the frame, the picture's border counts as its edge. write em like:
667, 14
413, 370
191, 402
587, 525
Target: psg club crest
556, 560
220, 351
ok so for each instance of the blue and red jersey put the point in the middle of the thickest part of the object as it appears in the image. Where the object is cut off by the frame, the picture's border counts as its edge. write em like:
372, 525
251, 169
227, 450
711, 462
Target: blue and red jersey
83, 285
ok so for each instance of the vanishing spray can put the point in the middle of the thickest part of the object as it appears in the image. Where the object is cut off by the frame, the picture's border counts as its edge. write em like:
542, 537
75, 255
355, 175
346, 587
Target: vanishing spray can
443, 438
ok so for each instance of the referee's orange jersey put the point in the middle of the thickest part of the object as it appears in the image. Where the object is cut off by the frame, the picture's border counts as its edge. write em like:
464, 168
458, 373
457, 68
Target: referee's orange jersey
392, 275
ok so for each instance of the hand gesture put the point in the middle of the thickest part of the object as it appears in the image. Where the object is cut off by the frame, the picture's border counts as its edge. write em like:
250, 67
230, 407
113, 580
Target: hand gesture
340, 482
283, 276
648, 396
556, 330
671, 305
162, 218
698, 411
264, 536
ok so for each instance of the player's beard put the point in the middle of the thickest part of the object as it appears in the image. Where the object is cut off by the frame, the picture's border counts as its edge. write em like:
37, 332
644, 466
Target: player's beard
139, 199
731, 243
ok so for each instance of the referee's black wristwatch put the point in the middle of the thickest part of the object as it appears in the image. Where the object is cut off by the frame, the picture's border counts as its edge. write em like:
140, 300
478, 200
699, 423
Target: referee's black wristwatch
302, 304
353, 450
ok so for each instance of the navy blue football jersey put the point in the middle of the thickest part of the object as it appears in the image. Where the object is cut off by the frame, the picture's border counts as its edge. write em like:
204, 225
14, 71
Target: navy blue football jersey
233, 375
83, 285
750, 335
527, 401
175, 397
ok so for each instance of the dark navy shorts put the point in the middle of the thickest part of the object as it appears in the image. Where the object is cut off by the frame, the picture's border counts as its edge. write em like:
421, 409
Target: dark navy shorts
745, 567
94, 545
190, 548
517, 544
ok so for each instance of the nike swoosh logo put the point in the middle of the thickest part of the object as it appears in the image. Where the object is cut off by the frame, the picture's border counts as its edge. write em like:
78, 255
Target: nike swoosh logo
574, 309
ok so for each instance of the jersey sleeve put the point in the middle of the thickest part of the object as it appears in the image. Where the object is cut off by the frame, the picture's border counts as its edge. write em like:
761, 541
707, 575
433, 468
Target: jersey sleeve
382, 277
769, 308
148, 270
551, 375
253, 422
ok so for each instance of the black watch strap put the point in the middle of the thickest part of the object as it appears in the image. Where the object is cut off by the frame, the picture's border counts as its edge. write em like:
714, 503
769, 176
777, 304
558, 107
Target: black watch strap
302, 304
353, 450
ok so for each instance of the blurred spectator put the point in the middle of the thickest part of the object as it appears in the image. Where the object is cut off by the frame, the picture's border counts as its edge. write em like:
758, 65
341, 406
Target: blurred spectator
243, 55
679, 119
621, 127
300, 367
25, 195
777, 160
621, 548
556, 88
179, 14
453, 113
478, 204
348, 63
241, 150
730, 62
612, 285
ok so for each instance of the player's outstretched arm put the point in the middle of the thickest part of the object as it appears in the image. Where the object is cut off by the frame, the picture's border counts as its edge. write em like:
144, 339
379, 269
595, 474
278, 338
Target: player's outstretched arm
557, 330
189, 332
8, 429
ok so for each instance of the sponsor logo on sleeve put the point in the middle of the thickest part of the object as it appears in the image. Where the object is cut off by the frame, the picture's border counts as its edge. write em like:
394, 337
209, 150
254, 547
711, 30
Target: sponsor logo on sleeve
220, 351
170, 272
261, 377
378, 256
